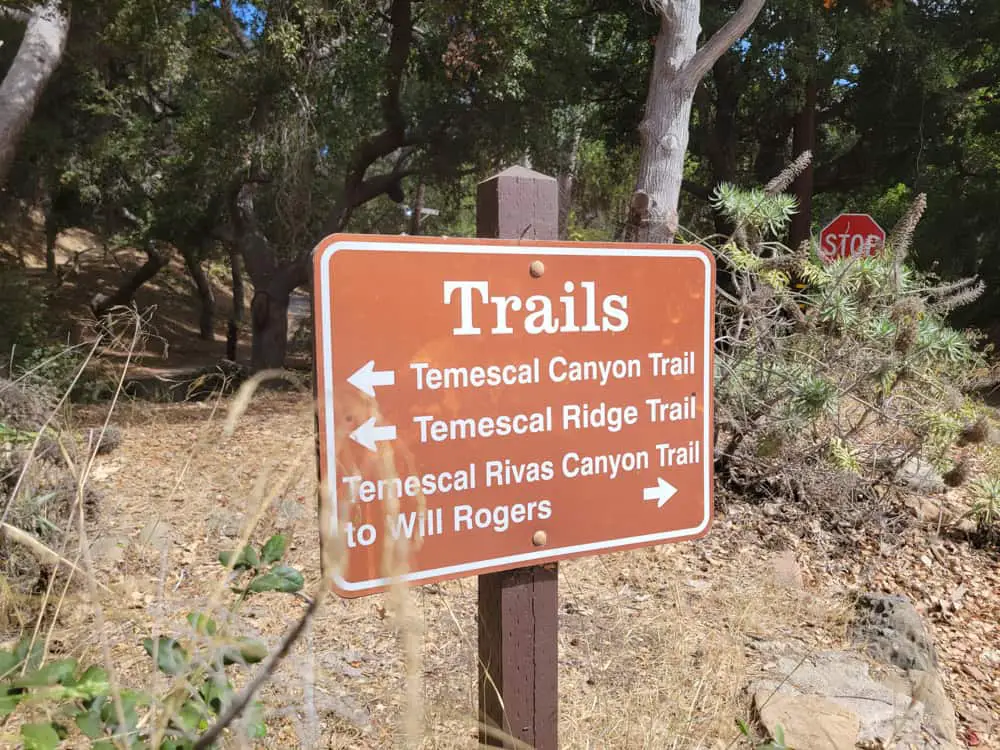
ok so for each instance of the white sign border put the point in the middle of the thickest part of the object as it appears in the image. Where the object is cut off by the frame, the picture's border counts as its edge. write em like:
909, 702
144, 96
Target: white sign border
325, 324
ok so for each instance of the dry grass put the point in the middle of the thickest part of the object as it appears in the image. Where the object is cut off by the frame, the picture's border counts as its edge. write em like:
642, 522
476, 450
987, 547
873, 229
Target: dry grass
652, 643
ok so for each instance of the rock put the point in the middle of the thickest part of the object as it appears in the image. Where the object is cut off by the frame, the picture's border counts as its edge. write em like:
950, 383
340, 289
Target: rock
843, 678
939, 712
893, 708
155, 535
920, 476
225, 522
808, 721
893, 632
109, 549
786, 570
289, 511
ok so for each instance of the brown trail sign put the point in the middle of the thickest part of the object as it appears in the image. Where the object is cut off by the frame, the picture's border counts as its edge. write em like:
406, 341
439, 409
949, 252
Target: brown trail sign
500, 405
525, 420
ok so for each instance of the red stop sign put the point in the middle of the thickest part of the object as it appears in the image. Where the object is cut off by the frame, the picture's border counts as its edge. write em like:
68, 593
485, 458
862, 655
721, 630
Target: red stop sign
850, 235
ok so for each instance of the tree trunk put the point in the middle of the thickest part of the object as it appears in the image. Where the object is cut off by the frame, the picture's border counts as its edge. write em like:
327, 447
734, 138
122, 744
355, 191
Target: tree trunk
206, 298
51, 233
37, 58
155, 260
565, 179
269, 318
678, 67
239, 304
269, 314
418, 209
663, 132
804, 139
273, 283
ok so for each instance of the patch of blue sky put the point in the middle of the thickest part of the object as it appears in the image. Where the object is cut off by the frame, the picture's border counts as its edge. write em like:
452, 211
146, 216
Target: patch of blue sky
250, 16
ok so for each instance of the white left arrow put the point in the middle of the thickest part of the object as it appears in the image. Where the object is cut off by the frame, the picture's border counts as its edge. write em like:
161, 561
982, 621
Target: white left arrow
661, 493
369, 435
366, 377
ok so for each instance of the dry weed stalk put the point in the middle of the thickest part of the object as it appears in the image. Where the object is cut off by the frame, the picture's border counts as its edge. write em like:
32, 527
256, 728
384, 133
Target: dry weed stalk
788, 175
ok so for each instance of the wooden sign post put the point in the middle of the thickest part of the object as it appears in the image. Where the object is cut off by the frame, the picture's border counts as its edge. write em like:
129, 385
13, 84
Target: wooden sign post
493, 406
519, 609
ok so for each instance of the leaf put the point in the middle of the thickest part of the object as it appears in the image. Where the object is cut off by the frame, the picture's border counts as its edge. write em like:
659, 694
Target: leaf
246, 560
129, 699
248, 651
29, 652
744, 729
53, 673
8, 662
9, 701
39, 737
94, 682
201, 623
274, 549
256, 727
171, 658
215, 692
90, 724
188, 718
279, 578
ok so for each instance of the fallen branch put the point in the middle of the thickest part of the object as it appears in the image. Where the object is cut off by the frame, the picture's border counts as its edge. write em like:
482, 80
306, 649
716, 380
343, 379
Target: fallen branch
269, 667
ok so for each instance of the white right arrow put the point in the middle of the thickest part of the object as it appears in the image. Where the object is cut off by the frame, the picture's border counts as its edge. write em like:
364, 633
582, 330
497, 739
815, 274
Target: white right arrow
661, 493
369, 435
366, 377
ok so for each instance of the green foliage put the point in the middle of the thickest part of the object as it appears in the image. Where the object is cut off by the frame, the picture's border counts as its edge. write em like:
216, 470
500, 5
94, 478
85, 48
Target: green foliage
276, 578
85, 696
777, 743
856, 355
753, 207
985, 510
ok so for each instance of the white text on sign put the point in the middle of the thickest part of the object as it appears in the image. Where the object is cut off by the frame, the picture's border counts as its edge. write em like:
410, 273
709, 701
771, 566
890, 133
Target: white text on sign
539, 315
559, 369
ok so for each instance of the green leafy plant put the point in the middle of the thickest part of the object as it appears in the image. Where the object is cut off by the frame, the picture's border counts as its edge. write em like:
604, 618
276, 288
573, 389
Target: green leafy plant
83, 697
776, 743
985, 510
849, 356
264, 574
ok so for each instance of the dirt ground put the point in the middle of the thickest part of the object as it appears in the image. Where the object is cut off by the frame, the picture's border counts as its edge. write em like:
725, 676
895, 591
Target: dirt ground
654, 645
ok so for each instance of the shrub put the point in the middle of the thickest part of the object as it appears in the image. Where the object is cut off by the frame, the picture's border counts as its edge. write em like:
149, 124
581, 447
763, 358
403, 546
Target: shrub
197, 664
848, 367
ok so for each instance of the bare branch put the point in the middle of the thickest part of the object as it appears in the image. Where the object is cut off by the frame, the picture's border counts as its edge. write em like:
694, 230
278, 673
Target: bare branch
14, 14
703, 60
267, 669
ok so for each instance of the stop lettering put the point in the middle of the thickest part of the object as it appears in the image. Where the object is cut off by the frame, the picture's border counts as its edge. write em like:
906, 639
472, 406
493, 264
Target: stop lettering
850, 235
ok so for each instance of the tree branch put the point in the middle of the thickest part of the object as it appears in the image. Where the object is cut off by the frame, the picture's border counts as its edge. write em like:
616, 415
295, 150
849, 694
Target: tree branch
699, 65
267, 669
14, 14
698, 191
393, 136
357, 189
233, 25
